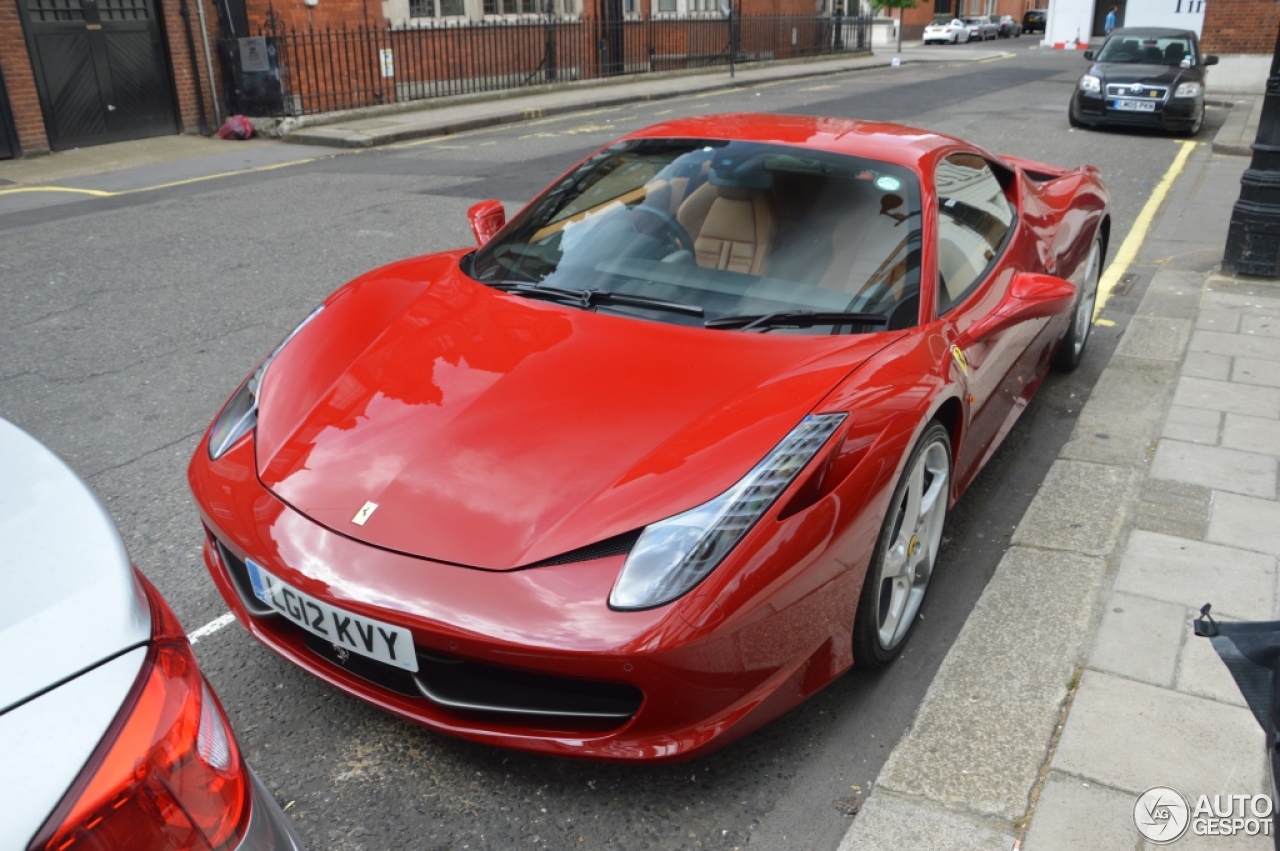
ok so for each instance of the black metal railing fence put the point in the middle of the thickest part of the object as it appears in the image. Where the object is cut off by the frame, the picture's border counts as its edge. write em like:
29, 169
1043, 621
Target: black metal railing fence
336, 69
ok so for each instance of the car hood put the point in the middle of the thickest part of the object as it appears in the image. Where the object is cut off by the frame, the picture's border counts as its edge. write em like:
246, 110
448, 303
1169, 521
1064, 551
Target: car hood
70, 599
496, 431
1125, 72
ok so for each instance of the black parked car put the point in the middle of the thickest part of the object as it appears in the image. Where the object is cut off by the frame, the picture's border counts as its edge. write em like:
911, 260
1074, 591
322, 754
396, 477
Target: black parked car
1034, 20
1144, 77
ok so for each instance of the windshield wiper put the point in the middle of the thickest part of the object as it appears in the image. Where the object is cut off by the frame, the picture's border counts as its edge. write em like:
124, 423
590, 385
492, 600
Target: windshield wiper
795, 319
586, 297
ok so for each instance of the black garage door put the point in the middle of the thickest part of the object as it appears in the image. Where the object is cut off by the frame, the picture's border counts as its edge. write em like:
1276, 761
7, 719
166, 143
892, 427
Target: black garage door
101, 70
8, 136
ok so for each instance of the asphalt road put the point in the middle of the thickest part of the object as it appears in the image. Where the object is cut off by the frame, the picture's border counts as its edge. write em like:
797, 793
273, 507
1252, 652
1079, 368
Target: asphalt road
127, 320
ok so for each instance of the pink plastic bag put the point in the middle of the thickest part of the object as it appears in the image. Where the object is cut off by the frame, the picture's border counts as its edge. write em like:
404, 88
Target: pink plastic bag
236, 127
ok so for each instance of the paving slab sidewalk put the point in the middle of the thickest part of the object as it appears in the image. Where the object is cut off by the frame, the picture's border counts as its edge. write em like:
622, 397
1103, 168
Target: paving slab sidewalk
1076, 684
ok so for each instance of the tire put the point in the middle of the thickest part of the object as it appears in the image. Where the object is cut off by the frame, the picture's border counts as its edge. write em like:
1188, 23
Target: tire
1071, 352
1194, 128
903, 562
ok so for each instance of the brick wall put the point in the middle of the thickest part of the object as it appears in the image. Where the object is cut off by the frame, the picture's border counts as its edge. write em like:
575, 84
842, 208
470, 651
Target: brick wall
184, 76
1240, 26
20, 81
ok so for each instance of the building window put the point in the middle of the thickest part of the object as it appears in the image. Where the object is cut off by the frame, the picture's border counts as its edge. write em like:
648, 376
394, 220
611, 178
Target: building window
666, 5
510, 7
429, 8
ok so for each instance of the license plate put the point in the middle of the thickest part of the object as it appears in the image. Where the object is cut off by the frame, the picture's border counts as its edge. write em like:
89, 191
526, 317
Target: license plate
1134, 105
366, 636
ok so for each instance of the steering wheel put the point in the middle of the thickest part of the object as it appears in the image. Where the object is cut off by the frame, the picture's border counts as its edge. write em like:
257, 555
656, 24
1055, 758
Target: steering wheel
669, 226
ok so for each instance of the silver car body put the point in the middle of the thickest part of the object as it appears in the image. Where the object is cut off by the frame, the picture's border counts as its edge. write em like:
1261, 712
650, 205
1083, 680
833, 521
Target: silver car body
77, 625
981, 27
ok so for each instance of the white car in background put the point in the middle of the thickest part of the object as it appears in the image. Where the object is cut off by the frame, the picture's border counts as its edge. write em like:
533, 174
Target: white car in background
111, 738
954, 31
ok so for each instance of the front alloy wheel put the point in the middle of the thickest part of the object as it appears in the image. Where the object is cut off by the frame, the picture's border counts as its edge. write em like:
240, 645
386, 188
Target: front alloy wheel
906, 552
1072, 348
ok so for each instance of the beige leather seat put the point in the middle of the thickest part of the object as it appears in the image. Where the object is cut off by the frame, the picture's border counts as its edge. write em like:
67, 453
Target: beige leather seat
732, 228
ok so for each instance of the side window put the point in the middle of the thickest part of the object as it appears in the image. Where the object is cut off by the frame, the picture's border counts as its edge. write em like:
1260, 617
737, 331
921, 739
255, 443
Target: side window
973, 219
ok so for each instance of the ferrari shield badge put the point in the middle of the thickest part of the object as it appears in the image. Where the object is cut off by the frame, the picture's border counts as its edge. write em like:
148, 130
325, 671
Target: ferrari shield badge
365, 512
961, 360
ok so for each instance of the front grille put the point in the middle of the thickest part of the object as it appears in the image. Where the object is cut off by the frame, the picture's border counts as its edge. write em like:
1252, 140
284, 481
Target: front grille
1125, 90
378, 673
468, 686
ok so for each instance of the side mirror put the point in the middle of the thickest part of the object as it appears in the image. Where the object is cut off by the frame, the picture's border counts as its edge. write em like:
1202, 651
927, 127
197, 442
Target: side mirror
1031, 296
486, 218
1088, 54
1211, 59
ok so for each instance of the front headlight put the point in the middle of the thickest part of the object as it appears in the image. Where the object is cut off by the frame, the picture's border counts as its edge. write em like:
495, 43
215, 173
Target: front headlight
674, 555
240, 414
1090, 83
1188, 90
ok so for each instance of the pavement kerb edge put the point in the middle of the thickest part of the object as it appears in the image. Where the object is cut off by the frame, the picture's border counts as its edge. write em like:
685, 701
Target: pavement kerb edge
855, 837
790, 68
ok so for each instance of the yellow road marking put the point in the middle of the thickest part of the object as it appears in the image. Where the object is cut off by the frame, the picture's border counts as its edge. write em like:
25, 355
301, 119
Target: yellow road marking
664, 112
820, 88
1138, 233
997, 58
103, 193
97, 193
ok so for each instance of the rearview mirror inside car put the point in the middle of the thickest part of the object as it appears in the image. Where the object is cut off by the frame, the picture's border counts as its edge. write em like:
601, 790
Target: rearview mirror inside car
486, 218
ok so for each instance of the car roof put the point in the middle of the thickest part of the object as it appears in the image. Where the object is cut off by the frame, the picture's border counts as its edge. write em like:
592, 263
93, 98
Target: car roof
891, 143
1156, 32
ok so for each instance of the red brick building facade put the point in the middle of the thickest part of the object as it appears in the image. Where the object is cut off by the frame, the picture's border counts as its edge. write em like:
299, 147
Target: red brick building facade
1240, 26
30, 109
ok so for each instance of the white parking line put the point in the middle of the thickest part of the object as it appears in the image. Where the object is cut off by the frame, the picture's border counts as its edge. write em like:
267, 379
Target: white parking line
211, 627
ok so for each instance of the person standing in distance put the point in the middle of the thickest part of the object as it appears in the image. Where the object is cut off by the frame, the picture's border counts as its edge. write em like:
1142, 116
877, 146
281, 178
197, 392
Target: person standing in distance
1111, 20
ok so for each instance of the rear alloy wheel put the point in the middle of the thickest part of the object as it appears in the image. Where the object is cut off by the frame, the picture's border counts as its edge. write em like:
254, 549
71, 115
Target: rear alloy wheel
905, 553
1072, 348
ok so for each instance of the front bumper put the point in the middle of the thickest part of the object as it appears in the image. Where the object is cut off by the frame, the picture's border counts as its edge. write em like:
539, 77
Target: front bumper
701, 675
1174, 115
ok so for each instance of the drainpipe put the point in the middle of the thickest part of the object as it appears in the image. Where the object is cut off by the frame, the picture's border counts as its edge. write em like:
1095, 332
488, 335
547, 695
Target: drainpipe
208, 63
185, 11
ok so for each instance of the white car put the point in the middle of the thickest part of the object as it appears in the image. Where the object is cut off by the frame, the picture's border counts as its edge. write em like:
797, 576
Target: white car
110, 734
946, 32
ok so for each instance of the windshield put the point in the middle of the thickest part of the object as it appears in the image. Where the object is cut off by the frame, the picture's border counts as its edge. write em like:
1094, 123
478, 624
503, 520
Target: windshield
1147, 50
714, 232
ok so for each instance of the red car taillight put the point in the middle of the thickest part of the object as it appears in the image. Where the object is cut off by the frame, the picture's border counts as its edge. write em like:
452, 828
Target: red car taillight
167, 775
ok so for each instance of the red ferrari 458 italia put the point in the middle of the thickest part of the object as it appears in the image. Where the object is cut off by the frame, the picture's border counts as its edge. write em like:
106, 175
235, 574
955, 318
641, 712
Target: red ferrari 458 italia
666, 454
